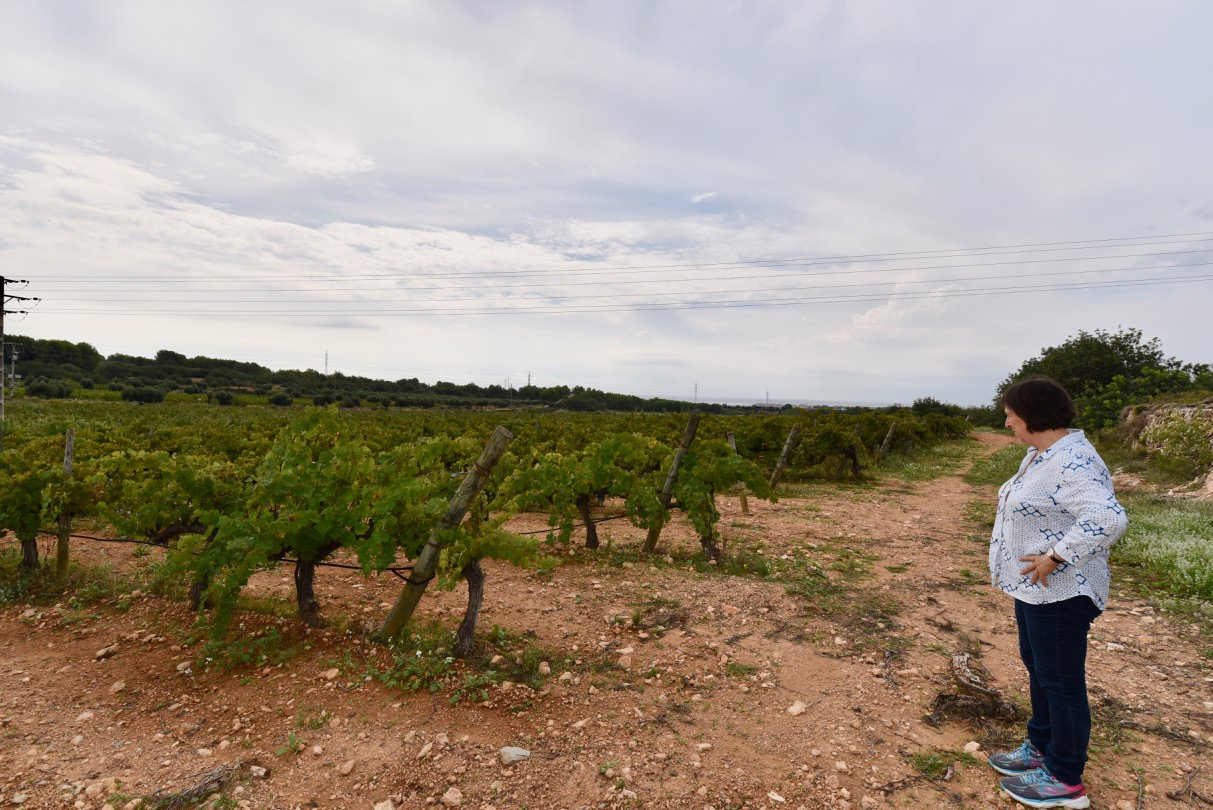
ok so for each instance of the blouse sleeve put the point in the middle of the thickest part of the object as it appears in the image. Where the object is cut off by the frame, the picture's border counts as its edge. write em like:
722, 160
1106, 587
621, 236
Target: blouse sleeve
1085, 491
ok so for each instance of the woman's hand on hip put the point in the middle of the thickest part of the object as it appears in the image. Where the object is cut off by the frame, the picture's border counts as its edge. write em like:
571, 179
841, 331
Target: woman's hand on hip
1039, 567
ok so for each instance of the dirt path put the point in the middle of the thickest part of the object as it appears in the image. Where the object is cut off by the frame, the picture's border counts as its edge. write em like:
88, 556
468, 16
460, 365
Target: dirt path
106, 697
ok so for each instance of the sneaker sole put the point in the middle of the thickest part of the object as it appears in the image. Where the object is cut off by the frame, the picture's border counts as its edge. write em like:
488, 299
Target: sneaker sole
1010, 772
1077, 802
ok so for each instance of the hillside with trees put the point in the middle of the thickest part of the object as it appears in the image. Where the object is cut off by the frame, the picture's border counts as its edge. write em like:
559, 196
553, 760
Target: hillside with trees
61, 369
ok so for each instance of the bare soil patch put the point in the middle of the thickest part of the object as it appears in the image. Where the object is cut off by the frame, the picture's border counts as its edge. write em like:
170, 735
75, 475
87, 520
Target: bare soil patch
678, 693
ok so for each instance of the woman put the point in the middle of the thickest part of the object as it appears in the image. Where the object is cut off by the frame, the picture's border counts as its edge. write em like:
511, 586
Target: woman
1057, 520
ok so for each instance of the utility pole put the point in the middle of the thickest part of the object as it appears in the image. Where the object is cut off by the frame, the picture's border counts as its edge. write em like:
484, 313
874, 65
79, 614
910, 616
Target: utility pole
4, 299
12, 369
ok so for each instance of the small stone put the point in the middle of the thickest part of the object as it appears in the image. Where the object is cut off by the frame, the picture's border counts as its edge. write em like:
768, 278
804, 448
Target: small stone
425, 750
386, 804
330, 674
841, 766
566, 676
972, 747
453, 797
625, 661
105, 652
545, 669
116, 687
1124, 804
184, 667
317, 750
511, 754
797, 708
775, 797
84, 716
258, 772
346, 768
628, 794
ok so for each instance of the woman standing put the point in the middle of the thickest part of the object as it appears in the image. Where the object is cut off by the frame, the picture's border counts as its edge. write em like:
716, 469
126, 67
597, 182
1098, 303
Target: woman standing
1057, 520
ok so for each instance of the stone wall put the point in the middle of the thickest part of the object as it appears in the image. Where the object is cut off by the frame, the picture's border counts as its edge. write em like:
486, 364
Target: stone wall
1135, 429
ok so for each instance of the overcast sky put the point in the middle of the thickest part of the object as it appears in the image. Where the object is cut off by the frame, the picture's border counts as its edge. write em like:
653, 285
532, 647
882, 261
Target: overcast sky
811, 201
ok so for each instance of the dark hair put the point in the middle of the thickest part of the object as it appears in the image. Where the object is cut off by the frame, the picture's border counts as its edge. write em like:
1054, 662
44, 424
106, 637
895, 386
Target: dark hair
1041, 403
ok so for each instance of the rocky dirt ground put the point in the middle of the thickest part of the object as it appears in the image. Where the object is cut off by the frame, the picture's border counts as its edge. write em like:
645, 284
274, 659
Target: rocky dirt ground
670, 688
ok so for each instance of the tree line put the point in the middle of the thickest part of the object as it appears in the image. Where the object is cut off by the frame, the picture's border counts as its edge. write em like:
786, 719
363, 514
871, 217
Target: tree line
60, 369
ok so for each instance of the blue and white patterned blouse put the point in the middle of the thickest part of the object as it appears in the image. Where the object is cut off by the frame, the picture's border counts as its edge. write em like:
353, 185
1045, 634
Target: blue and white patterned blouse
1061, 499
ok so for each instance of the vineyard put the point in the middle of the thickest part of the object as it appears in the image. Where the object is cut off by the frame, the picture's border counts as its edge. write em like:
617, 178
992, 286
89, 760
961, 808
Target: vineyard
626, 597
230, 492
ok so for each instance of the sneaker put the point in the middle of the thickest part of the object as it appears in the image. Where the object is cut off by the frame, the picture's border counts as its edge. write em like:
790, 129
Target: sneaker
1039, 788
1022, 759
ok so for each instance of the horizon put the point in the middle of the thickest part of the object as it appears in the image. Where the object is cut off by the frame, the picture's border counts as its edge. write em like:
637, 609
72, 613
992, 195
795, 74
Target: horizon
772, 402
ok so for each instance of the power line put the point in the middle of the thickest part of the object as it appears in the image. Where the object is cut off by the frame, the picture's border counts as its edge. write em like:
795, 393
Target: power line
570, 309
1089, 244
679, 292
554, 283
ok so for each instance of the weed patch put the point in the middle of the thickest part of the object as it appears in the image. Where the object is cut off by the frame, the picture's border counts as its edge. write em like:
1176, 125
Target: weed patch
996, 468
929, 463
937, 764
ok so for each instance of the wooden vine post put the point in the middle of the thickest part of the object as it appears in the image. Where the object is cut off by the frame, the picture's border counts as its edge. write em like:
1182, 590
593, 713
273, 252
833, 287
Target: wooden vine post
65, 518
745, 504
427, 561
888, 440
667, 491
783, 456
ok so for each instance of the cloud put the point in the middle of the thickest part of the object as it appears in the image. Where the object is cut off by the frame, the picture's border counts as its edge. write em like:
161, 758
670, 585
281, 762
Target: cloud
699, 198
327, 157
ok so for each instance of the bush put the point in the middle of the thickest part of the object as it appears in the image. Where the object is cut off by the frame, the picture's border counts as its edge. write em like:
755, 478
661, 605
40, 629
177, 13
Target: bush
224, 397
142, 394
1183, 437
281, 400
49, 389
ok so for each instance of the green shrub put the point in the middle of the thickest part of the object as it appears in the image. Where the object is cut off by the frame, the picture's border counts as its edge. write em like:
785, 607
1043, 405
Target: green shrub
142, 394
1184, 438
49, 389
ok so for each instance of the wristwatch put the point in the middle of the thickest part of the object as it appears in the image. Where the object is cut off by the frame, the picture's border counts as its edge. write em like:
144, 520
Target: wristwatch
1052, 555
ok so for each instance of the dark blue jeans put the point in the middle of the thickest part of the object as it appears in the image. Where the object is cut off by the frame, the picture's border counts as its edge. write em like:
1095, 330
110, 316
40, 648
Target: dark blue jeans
1053, 646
